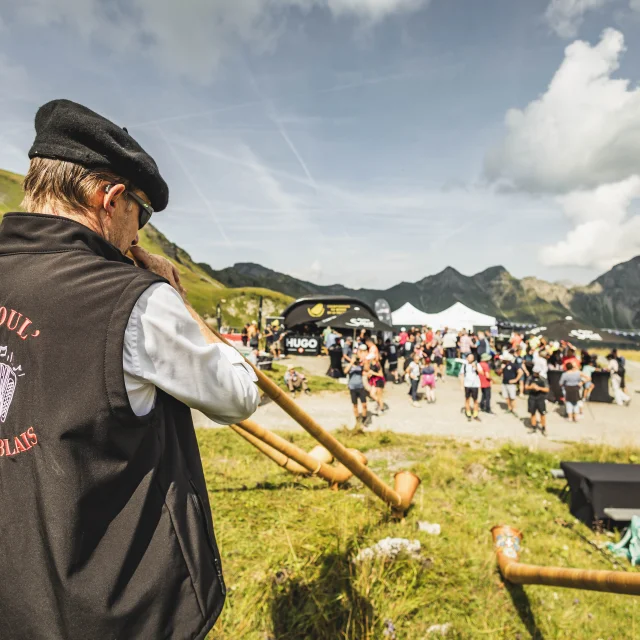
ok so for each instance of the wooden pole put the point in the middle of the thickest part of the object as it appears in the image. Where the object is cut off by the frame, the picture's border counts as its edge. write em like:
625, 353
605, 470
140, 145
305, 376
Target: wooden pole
508, 541
279, 458
333, 475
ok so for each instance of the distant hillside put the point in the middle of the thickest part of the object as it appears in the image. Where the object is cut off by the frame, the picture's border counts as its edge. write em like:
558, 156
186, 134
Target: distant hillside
612, 300
239, 305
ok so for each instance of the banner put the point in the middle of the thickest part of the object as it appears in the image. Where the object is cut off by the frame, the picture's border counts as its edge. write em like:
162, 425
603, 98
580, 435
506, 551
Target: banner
383, 311
302, 344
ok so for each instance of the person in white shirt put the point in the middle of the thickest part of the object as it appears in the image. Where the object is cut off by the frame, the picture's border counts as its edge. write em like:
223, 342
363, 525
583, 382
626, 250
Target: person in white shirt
619, 396
470, 373
449, 342
167, 346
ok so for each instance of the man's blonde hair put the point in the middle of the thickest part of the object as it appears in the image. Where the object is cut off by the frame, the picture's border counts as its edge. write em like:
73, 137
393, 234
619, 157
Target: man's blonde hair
69, 186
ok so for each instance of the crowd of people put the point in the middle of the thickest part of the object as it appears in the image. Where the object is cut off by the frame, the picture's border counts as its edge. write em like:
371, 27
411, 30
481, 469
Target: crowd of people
420, 356
519, 364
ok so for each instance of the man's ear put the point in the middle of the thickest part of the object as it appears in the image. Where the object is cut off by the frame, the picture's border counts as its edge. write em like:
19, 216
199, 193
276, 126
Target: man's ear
110, 196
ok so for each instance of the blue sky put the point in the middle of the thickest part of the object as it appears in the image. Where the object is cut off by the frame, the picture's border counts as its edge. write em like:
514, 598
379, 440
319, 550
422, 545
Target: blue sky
359, 141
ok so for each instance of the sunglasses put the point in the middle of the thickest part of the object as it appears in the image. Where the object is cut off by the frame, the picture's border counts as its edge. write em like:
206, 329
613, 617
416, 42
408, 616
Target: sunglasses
146, 210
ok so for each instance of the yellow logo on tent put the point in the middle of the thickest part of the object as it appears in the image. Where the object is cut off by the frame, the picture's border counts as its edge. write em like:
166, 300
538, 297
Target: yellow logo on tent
316, 311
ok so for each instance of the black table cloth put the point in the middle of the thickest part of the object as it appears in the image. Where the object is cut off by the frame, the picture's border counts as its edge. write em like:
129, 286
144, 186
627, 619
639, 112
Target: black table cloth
600, 391
596, 486
555, 390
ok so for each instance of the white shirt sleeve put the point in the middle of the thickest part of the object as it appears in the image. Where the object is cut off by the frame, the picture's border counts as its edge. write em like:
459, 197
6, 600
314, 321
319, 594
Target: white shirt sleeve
164, 349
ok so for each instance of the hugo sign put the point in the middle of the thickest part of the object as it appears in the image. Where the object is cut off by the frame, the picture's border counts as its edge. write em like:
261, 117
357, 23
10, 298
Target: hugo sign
301, 344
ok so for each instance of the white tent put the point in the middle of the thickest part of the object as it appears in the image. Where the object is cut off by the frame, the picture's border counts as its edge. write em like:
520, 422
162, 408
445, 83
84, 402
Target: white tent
459, 316
409, 316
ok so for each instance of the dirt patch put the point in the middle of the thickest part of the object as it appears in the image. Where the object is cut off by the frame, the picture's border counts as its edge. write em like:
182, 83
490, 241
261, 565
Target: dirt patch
477, 473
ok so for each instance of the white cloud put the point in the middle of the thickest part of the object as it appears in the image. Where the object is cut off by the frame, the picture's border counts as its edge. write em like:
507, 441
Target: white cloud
604, 233
192, 39
584, 131
581, 141
373, 10
565, 16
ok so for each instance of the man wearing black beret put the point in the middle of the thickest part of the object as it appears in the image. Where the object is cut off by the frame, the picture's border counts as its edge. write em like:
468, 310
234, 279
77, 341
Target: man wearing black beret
106, 526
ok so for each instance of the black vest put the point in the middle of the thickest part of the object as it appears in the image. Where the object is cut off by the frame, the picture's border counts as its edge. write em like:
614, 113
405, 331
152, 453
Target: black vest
105, 524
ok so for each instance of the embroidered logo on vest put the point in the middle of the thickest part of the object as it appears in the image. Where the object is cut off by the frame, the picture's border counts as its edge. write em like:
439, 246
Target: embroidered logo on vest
9, 375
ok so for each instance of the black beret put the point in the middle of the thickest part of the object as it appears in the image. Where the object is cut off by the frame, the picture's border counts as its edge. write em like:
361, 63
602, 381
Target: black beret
68, 131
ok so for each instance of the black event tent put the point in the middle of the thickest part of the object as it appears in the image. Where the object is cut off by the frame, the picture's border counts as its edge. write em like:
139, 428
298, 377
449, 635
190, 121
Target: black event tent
313, 309
580, 334
356, 318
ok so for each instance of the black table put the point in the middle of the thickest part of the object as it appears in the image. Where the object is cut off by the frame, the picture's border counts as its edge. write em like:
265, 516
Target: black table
596, 486
600, 391
555, 390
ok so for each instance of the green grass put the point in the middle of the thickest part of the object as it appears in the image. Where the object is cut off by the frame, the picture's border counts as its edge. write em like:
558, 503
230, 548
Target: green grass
316, 383
287, 546
241, 305
10, 192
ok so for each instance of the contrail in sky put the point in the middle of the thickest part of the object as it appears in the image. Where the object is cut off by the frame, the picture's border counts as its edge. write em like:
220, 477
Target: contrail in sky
273, 116
196, 188
253, 103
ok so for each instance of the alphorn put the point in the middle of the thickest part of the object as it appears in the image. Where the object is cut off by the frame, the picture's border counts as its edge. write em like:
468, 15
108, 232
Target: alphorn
406, 483
312, 465
508, 543
279, 458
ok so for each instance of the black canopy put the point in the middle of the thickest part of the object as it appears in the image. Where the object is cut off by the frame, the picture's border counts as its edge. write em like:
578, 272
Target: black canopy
581, 334
355, 318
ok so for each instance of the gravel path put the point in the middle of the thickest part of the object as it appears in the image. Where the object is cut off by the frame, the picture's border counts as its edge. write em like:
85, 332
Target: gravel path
600, 424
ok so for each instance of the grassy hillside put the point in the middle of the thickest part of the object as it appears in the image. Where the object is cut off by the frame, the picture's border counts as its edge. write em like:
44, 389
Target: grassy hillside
204, 292
10, 192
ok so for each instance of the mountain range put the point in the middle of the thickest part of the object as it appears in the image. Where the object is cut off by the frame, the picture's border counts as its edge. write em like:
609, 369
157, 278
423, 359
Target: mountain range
610, 301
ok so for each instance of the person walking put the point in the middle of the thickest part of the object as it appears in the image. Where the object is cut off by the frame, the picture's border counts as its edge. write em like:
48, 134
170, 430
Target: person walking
392, 350
409, 348
413, 371
449, 342
571, 383
485, 383
437, 357
538, 388
428, 381
465, 344
470, 380
355, 376
106, 522
511, 375
376, 380
619, 396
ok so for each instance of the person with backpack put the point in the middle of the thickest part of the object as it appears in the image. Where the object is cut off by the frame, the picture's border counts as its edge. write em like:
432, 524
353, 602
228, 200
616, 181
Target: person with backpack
470, 373
571, 383
355, 374
428, 381
538, 388
511, 375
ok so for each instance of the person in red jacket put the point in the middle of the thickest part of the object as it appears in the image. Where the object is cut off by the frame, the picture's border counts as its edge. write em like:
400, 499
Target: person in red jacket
485, 383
